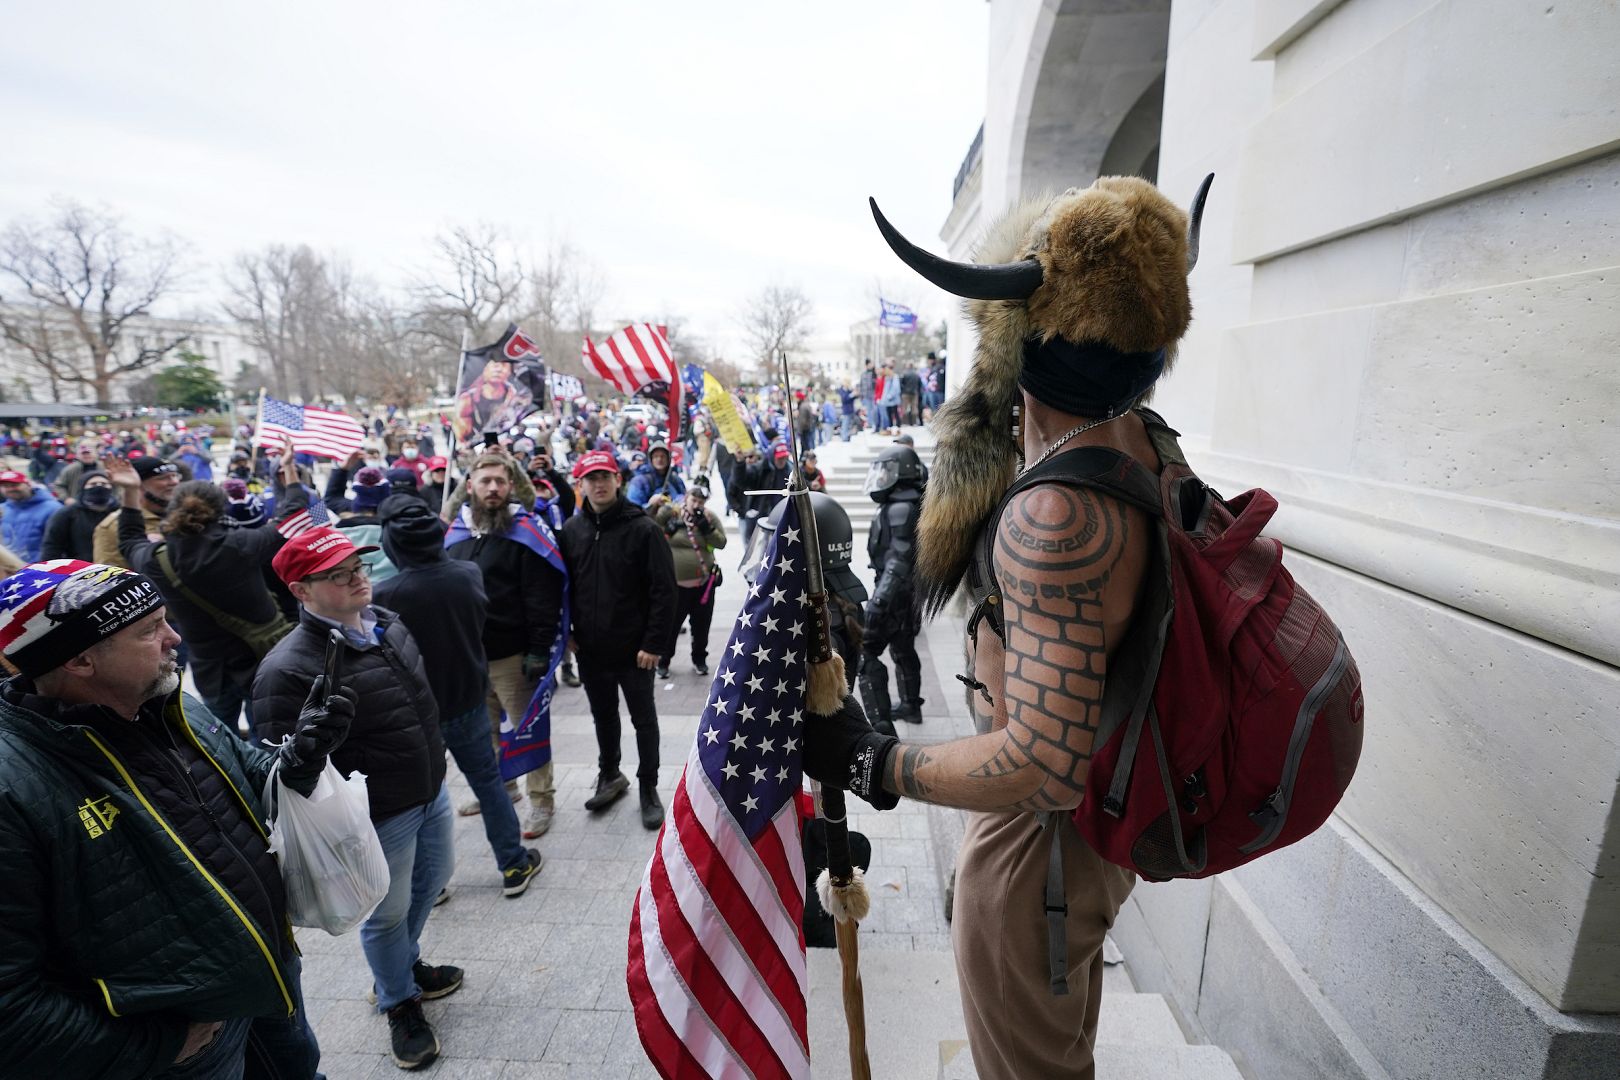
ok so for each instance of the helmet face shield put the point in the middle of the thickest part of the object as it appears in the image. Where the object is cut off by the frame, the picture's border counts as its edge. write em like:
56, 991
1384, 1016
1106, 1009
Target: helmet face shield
881, 477
759, 545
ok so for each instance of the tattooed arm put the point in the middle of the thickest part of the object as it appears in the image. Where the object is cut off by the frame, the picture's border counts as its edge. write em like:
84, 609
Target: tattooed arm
1055, 551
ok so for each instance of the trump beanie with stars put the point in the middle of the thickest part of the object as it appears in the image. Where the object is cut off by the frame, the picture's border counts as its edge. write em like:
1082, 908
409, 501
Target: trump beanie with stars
52, 611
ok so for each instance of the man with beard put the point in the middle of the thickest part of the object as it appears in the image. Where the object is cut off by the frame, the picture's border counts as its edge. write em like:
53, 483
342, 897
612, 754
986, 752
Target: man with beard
623, 606
143, 924
525, 592
71, 532
158, 479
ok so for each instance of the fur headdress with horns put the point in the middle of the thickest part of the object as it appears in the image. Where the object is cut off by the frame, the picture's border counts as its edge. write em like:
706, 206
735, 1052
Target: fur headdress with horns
1105, 266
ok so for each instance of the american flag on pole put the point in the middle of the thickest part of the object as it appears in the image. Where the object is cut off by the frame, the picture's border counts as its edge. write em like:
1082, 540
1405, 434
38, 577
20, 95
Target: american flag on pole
311, 517
638, 360
308, 430
717, 969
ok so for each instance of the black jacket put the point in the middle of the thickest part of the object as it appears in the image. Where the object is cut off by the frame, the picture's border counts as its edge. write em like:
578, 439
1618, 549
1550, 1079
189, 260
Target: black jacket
70, 533
443, 604
621, 580
565, 493
139, 889
525, 596
395, 736
224, 567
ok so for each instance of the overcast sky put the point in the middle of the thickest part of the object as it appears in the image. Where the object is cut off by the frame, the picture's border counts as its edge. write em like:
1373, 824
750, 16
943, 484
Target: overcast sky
695, 150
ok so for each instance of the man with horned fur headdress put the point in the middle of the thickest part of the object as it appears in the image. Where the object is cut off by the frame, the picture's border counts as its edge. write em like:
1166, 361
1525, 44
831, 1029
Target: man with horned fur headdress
1079, 312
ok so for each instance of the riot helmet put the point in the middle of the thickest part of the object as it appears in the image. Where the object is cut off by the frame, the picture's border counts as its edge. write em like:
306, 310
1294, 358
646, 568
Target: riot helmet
833, 530
897, 466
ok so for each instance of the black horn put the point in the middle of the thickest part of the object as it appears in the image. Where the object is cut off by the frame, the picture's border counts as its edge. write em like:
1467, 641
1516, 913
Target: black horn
1012, 281
1197, 222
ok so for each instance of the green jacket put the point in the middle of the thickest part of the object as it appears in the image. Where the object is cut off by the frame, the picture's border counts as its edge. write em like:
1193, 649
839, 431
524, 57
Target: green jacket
113, 936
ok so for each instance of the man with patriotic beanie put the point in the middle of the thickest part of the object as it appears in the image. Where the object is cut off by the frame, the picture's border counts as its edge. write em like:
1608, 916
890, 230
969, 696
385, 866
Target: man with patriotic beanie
143, 926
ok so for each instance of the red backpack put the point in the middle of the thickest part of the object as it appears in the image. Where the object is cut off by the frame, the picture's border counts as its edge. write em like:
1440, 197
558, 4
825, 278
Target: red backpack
1231, 715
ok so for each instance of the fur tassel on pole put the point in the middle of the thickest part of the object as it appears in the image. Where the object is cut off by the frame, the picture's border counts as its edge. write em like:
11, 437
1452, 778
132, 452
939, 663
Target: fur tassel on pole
841, 887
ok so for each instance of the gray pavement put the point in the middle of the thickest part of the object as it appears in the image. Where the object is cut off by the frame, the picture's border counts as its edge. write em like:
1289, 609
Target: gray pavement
545, 992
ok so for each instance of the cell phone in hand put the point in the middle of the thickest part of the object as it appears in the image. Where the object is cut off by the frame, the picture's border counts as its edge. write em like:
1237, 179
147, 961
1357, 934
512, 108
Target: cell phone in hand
492, 438
334, 660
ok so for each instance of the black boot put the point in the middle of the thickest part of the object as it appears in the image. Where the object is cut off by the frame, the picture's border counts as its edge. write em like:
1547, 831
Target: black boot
911, 700
652, 810
609, 789
874, 682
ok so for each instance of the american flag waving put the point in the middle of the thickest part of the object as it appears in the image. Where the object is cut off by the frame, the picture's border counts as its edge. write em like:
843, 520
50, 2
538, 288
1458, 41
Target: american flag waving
307, 430
717, 968
638, 360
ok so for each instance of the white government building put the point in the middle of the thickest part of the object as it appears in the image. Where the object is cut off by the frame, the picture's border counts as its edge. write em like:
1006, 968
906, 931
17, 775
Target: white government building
1407, 328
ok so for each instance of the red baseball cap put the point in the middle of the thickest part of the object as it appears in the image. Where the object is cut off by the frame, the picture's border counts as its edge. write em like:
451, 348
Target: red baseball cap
312, 551
595, 461
12, 477
434, 464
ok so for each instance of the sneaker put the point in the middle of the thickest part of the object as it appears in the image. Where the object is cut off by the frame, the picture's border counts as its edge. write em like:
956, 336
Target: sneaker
700, 668
609, 789
472, 807
662, 673
652, 810
569, 678
515, 882
444, 894
436, 981
414, 1043
538, 822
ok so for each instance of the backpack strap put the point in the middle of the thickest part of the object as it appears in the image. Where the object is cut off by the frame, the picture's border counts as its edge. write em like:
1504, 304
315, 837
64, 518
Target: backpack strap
238, 627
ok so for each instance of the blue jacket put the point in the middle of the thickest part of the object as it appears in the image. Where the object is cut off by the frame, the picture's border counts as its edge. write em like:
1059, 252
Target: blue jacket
201, 467
22, 524
646, 483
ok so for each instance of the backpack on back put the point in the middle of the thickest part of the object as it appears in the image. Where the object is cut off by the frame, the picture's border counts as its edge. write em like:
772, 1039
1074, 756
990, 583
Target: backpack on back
1231, 714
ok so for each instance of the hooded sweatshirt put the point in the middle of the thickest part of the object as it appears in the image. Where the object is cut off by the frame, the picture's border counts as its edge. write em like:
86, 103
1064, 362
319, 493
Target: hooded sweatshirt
440, 600
22, 526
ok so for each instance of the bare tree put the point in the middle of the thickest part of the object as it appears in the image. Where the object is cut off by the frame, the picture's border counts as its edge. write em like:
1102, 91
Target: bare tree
777, 320
76, 282
477, 284
288, 300
567, 288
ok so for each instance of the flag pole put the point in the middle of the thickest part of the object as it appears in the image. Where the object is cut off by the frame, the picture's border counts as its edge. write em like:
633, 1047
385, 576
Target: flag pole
841, 886
450, 459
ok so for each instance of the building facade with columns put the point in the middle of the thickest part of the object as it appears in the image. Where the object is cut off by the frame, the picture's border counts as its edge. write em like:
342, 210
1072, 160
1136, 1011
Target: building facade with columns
1406, 327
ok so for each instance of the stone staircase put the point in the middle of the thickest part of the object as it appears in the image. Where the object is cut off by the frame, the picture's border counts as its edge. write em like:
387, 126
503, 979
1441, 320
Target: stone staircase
915, 1031
846, 464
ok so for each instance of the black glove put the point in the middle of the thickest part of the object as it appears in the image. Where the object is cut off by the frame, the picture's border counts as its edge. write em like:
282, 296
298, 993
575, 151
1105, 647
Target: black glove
534, 666
323, 724
843, 751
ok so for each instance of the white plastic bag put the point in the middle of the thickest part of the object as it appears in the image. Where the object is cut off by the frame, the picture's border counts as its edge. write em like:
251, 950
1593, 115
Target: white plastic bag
332, 863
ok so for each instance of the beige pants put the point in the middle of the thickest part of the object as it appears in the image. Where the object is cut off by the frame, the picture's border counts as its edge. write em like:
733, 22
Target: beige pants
1017, 1028
510, 692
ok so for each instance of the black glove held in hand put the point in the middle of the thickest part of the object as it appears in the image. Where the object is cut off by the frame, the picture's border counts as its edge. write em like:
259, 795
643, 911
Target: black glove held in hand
843, 751
323, 723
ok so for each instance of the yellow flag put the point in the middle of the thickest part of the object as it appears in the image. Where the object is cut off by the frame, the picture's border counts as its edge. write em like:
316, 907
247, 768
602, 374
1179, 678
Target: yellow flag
733, 432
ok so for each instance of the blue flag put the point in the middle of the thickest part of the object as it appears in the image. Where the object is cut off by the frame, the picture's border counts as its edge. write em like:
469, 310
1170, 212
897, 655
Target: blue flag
897, 317
526, 740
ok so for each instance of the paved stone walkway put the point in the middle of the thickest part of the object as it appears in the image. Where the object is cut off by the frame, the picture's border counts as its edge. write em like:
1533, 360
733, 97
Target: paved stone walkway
545, 993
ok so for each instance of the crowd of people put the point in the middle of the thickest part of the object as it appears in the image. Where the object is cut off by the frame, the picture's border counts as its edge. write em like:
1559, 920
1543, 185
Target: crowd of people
576, 551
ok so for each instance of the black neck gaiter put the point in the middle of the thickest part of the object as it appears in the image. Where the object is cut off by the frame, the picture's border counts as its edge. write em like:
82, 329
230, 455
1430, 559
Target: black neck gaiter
1087, 379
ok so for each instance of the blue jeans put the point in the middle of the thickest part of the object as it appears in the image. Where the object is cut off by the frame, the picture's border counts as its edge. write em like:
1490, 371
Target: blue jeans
284, 1048
467, 738
420, 848
846, 423
219, 1060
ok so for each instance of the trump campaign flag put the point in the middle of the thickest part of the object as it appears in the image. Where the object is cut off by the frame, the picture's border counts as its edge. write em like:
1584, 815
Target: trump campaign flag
717, 969
499, 385
896, 317
638, 361
526, 739
306, 429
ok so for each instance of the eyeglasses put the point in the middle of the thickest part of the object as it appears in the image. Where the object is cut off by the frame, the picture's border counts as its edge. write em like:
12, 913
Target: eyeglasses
344, 578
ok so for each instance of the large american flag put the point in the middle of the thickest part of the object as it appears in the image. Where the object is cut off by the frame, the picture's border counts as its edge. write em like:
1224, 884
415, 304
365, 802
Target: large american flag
717, 970
638, 360
308, 430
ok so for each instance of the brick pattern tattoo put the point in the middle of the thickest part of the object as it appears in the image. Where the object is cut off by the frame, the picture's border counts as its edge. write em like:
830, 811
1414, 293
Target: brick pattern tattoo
1054, 553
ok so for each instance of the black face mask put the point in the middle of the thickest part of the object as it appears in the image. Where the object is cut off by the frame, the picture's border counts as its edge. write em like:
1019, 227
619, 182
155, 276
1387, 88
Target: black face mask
97, 498
1087, 379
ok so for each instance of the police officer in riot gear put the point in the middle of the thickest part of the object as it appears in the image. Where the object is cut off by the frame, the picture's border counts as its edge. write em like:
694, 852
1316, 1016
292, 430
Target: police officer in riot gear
846, 596
895, 482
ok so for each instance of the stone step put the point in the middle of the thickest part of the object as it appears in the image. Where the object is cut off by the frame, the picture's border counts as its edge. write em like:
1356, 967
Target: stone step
1118, 1061
913, 1010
